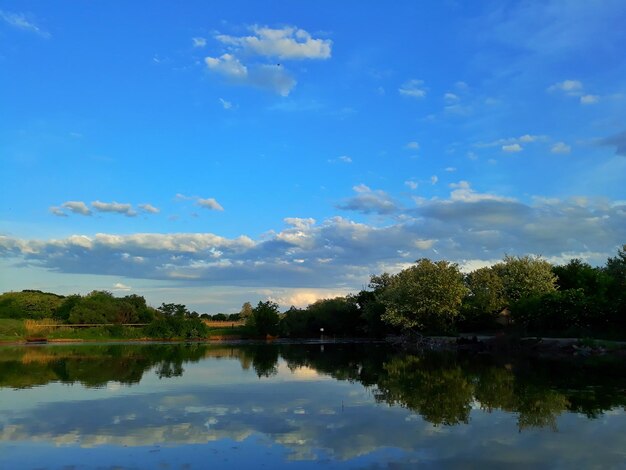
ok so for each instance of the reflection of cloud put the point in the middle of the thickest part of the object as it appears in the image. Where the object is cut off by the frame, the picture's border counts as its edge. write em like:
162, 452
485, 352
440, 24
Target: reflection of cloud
293, 421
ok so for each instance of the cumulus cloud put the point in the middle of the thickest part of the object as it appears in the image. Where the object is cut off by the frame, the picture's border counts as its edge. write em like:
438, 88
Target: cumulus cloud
19, 21
283, 43
466, 226
57, 211
560, 147
227, 65
77, 207
210, 203
116, 207
149, 208
119, 286
411, 184
269, 77
413, 89
368, 201
450, 98
434, 179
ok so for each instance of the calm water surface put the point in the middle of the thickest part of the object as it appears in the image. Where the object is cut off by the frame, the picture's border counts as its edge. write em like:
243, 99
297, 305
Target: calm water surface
306, 406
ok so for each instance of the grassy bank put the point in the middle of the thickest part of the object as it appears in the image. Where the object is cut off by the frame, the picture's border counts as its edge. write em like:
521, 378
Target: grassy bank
21, 330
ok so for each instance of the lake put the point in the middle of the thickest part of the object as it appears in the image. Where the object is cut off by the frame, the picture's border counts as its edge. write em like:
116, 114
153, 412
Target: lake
180, 406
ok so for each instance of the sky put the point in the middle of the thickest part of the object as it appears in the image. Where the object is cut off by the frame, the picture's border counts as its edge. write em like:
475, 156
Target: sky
216, 153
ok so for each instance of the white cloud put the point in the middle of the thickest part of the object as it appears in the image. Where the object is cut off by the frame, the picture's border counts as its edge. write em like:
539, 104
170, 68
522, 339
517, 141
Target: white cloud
227, 65
589, 99
462, 191
434, 179
412, 146
450, 97
303, 297
561, 147
411, 184
339, 252
117, 207
450, 169
77, 207
18, 20
341, 159
512, 141
198, 42
57, 211
286, 43
570, 87
225, 104
120, 286
368, 201
149, 208
413, 89
269, 77
209, 203
512, 148
527, 138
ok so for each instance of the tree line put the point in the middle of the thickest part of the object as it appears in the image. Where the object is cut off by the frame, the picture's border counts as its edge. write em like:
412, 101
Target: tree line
526, 294
431, 297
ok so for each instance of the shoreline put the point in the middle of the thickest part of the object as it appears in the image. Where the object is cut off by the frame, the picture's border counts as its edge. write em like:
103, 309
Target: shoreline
556, 348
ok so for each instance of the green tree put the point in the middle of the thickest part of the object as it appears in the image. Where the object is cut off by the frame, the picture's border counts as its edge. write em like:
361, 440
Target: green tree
246, 311
485, 299
525, 276
425, 296
264, 318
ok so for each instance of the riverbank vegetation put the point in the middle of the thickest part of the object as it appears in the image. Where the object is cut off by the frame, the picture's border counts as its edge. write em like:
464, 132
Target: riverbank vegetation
524, 295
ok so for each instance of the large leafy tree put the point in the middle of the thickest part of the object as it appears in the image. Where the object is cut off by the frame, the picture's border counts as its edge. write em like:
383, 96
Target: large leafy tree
264, 318
427, 296
525, 276
485, 299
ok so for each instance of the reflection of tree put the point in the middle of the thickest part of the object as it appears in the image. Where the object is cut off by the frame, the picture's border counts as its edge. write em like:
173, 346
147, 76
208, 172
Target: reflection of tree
439, 391
94, 366
264, 360
440, 387
539, 407
495, 388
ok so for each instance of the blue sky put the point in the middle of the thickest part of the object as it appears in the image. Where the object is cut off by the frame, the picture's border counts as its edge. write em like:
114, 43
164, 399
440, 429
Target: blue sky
216, 153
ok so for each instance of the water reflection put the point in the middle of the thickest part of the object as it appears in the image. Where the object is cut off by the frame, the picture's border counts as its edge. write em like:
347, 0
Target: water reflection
307, 404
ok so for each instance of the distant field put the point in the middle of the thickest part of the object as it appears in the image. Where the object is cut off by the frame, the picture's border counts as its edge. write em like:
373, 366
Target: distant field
223, 324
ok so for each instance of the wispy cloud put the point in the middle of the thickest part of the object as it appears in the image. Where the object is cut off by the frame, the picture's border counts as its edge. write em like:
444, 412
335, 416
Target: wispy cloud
413, 89
18, 20
512, 148
560, 147
198, 42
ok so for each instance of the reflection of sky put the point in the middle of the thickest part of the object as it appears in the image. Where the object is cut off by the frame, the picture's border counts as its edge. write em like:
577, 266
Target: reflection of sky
218, 412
